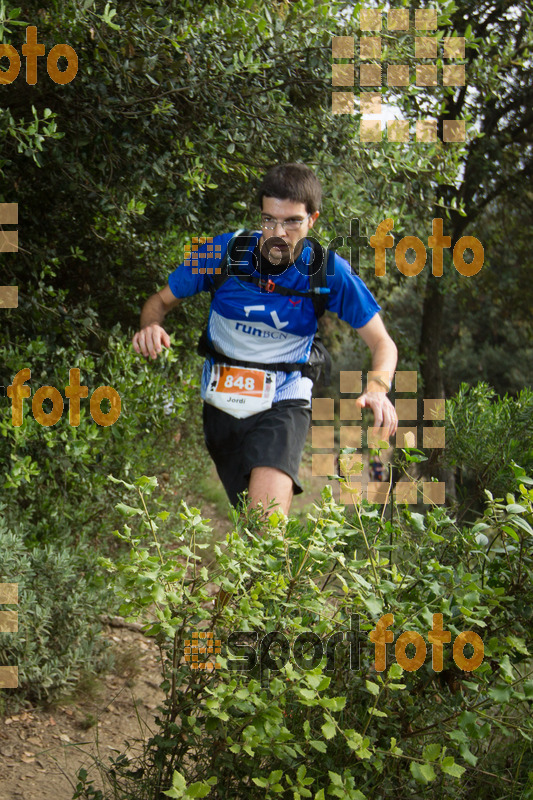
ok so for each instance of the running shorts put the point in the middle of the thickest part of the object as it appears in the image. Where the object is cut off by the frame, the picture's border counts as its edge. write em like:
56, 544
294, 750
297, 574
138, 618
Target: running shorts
272, 438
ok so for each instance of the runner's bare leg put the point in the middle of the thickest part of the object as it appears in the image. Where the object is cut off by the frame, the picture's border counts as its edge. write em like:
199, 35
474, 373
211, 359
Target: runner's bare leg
267, 484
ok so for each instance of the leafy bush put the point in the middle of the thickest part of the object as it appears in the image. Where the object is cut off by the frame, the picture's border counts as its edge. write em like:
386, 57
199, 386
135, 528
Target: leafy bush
299, 728
58, 502
485, 434
58, 633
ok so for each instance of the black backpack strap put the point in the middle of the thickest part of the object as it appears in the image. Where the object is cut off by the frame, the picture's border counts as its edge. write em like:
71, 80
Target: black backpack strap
241, 237
319, 358
309, 369
324, 264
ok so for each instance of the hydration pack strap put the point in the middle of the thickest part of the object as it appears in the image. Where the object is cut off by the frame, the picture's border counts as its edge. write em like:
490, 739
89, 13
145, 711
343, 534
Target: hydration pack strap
307, 369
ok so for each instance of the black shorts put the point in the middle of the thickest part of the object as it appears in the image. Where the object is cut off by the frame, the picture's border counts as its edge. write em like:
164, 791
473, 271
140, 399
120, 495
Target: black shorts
272, 438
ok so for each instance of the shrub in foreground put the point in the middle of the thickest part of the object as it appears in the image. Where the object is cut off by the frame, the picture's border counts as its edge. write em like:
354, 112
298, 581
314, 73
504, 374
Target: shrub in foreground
278, 721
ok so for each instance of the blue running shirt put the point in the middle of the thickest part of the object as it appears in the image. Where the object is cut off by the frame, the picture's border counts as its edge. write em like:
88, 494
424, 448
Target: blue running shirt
250, 324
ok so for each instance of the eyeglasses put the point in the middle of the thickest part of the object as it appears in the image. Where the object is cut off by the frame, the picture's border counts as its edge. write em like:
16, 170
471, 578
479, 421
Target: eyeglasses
269, 223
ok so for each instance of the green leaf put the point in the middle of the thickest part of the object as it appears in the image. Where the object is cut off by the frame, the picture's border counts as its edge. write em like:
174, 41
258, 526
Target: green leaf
393, 747
329, 730
374, 605
178, 781
158, 593
395, 671
511, 532
449, 767
301, 772
372, 687
423, 773
502, 694
179, 786
335, 778
468, 756
419, 522
333, 703
471, 599
127, 511
318, 744
515, 508
261, 782
146, 482
431, 752
521, 523
528, 689
505, 667
198, 789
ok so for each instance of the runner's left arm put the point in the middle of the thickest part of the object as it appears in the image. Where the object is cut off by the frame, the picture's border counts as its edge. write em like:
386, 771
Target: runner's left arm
384, 359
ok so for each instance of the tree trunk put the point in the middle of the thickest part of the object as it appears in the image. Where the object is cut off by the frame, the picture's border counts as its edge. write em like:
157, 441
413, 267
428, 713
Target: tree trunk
432, 381
430, 336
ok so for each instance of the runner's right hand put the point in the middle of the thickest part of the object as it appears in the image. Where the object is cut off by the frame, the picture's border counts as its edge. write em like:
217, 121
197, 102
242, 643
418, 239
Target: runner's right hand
148, 341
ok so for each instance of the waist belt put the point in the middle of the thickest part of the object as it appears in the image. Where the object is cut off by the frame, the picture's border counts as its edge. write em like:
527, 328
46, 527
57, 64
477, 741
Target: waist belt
319, 357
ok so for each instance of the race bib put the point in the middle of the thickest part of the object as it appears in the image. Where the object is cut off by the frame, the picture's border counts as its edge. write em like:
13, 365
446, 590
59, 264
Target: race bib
240, 392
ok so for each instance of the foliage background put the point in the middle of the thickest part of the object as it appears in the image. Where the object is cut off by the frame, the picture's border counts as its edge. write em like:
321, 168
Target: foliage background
176, 111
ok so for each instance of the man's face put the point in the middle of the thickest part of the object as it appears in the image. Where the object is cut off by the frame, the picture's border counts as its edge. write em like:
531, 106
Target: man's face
284, 246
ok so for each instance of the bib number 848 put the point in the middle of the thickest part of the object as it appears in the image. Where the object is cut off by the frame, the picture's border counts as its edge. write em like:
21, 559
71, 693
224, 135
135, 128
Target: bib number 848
239, 383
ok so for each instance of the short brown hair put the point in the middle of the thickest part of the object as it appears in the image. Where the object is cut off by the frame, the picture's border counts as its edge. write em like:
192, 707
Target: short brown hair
294, 182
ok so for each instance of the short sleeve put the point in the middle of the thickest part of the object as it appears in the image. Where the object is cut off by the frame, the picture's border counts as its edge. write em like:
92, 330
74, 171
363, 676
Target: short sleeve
195, 273
349, 297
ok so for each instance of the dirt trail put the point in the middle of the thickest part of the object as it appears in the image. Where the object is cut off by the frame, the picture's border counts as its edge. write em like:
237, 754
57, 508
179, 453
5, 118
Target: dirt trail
42, 750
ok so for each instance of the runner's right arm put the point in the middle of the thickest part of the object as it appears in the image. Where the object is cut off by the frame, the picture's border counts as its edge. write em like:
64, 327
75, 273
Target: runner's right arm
152, 336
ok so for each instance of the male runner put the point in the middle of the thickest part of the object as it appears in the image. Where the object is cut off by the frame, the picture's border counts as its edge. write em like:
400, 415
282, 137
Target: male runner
256, 420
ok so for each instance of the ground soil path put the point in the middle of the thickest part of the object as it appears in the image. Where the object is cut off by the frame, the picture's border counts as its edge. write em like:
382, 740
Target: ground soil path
41, 750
